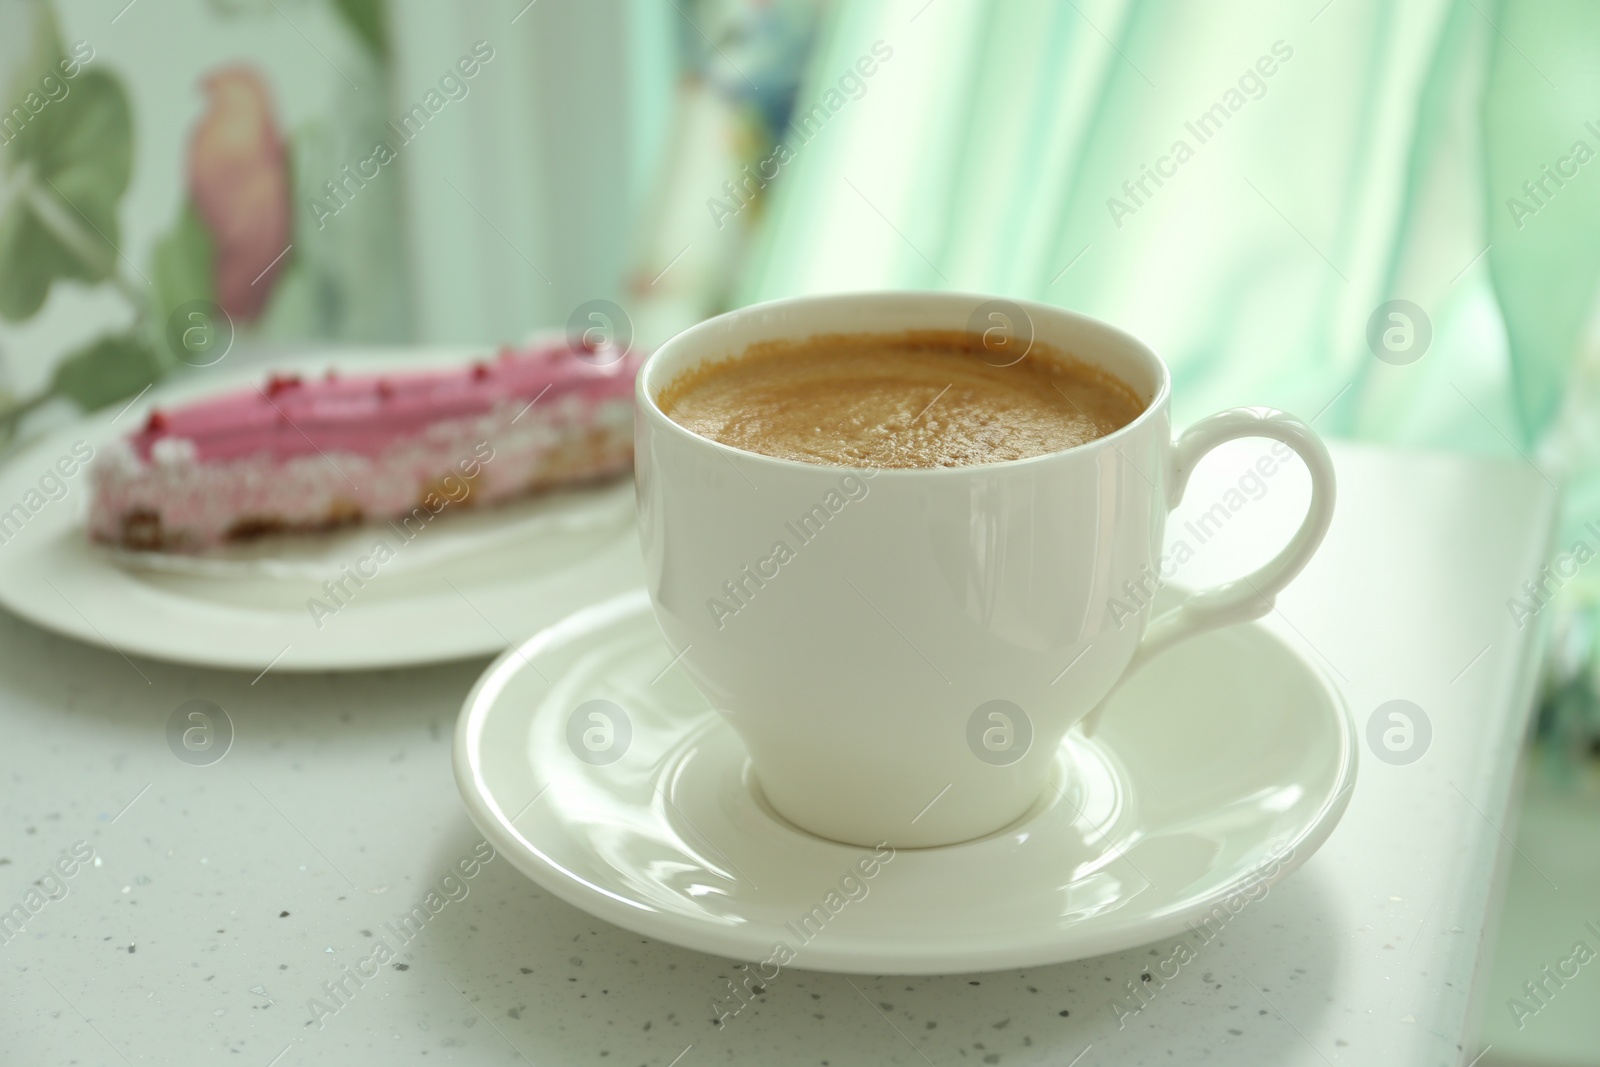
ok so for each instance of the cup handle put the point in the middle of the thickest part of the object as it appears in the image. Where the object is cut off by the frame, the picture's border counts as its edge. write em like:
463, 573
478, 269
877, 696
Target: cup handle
1255, 594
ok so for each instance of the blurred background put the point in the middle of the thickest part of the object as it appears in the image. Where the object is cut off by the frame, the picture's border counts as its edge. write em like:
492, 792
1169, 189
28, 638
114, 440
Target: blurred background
1384, 217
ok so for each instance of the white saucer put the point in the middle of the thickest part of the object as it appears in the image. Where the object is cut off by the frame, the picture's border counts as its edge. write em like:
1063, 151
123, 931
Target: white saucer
1220, 767
466, 585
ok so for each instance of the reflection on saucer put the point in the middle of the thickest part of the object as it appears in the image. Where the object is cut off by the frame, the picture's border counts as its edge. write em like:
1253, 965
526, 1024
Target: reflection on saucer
1221, 766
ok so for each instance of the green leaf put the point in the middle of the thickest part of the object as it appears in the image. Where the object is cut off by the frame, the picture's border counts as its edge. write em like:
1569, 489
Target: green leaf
66, 171
180, 268
368, 20
181, 263
30, 259
109, 369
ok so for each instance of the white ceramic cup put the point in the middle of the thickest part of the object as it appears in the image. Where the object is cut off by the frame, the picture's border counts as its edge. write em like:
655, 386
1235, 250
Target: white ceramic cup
902, 650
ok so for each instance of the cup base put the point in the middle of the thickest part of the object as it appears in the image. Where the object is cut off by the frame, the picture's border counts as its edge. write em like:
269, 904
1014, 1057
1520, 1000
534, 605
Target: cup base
758, 795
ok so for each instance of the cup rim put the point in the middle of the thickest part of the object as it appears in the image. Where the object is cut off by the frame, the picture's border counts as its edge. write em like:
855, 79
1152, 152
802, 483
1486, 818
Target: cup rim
646, 403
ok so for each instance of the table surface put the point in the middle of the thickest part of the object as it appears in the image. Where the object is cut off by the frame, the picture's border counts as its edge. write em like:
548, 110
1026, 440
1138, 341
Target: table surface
223, 903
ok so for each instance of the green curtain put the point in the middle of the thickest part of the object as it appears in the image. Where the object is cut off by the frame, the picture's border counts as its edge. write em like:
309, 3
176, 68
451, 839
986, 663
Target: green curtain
1246, 185
1374, 162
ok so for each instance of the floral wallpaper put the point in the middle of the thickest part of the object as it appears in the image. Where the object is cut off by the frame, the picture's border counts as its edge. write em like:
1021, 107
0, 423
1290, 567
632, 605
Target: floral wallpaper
236, 261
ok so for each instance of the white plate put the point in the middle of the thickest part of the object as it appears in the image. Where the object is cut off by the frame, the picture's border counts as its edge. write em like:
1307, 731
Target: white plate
467, 585
1219, 768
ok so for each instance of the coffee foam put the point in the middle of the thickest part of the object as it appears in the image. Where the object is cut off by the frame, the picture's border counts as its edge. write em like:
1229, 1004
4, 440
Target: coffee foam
920, 398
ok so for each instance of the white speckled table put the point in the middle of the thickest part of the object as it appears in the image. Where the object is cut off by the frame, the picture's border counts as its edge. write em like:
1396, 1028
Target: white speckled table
234, 912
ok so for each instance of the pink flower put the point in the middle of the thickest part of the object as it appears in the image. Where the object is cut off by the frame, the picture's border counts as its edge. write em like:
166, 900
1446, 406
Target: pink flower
238, 178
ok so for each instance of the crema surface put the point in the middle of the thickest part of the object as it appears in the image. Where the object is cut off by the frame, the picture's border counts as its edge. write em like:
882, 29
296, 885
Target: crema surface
915, 399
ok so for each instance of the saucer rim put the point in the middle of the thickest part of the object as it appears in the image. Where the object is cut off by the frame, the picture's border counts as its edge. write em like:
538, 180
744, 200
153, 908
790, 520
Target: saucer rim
859, 956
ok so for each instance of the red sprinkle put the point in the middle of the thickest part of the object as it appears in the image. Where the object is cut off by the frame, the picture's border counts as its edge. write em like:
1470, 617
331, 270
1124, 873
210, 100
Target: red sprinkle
279, 382
480, 371
156, 422
385, 390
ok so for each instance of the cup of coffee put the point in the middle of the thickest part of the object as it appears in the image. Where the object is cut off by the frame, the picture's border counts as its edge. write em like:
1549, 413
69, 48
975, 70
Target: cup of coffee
888, 534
